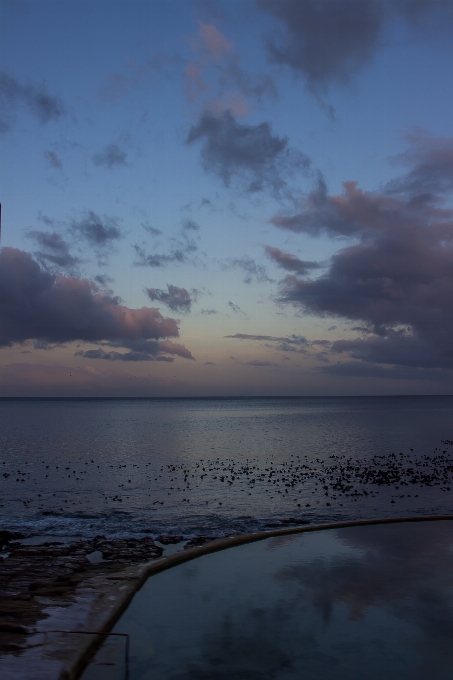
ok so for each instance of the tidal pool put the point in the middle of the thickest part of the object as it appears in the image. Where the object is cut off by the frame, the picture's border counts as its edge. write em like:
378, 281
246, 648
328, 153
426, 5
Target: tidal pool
367, 602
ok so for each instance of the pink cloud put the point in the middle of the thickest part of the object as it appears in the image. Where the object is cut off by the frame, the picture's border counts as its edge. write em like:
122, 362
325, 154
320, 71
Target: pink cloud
213, 41
53, 309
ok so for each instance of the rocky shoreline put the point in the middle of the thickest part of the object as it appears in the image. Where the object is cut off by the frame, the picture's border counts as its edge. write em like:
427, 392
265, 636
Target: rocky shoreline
58, 598
56, 585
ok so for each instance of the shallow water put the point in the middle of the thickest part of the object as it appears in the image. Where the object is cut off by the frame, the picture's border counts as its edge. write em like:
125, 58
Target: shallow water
364, 602
125, 466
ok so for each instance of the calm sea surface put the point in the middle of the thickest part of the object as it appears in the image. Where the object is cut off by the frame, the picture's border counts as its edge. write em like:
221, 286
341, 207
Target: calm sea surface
71, 467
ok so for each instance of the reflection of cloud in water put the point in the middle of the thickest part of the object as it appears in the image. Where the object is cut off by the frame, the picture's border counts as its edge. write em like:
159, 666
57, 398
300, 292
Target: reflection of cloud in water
365, 602
406, 569
263, 645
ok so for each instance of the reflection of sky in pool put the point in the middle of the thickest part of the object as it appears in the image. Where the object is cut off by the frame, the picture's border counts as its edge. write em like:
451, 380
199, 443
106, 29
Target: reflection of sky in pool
365, 602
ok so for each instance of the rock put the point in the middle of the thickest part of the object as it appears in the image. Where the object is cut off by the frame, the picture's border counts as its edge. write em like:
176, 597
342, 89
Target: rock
129, 549
169, 540
7, 536
198, 540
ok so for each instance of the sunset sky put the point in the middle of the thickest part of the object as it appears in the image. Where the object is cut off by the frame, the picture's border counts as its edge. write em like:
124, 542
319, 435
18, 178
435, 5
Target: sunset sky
207, 198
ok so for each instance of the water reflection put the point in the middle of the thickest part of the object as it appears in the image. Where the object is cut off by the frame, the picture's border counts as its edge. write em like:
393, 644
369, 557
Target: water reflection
365, 602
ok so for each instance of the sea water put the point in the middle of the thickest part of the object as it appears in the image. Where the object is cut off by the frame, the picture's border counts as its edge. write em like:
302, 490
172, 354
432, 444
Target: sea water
84, 467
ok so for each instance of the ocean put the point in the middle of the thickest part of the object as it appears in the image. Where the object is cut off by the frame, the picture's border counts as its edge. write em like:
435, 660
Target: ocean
214, 467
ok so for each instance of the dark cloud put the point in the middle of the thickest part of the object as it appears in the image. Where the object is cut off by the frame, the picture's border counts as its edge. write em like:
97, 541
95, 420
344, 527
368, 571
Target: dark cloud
432, 171
397, 278
181, 248
236, 309
248, 153
177, 299
256, 86
208, 311
103, 279
329, 41
253, 271
97, 231
293, 343
429, 14
36, 99
53, 160
209, 363
190, 225
289, 262
53, 250
48, 308
141, 350
325, 40
152, 230
111, 156
293, 339
100, 233
120, 356
358, 369
396, 348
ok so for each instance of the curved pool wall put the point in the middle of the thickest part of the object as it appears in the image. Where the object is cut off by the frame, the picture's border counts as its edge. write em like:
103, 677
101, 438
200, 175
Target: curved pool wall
162, 614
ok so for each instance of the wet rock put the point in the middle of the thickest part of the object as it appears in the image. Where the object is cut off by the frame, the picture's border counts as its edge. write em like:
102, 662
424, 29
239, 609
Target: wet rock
129, 549
36, 577
287, 522
199, 540
7, 536
169, 540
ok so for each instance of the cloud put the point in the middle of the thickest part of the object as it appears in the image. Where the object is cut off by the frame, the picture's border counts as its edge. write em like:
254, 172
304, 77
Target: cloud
397, 277
111, 156
180, 250
35, 99
190, 225
357, 369
249, 154
432, 172
152, 230
293, 343
53, 309
253, 271
99, 232
53, 159
145, 350
177, 299
259, 364
214, 70
250, 86
213, 42
181, 247
208, 311
53, 250
395, 348
103, 279
289, 262
327, 41
236, 309
120, 356
293, 339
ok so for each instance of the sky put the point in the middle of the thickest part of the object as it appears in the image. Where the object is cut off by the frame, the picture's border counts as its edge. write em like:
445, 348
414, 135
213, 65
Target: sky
226, 198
